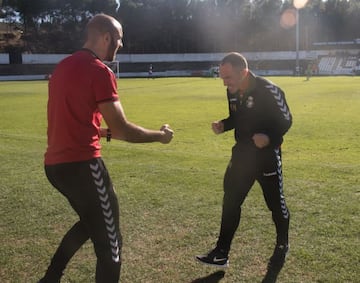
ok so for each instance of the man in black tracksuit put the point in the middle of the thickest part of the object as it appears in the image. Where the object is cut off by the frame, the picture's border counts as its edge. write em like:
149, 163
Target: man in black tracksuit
259, 114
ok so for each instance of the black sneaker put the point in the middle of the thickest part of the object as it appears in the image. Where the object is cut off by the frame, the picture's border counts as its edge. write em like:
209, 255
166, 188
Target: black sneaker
270, 276
50, 279
216, 257
276, 263
45, 281
277, 260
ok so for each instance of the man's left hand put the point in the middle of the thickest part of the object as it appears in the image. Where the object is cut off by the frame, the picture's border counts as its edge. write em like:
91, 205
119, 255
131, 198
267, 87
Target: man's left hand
261, 140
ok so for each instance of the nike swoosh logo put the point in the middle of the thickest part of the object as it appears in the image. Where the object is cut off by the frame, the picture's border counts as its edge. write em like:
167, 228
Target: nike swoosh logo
219, 259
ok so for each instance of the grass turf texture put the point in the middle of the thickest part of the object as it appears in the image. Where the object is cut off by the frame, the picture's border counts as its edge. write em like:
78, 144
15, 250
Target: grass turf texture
170, 195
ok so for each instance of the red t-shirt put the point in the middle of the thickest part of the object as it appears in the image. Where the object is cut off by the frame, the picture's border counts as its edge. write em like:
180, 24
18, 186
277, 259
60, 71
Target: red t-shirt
79, 83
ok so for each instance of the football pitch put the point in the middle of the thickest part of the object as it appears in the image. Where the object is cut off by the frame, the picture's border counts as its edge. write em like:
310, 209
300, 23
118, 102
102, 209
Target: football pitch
170, 195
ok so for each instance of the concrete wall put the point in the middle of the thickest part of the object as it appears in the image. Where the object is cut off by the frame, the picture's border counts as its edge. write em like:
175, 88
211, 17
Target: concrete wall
211, 58
42, 58
4, 58
188, 57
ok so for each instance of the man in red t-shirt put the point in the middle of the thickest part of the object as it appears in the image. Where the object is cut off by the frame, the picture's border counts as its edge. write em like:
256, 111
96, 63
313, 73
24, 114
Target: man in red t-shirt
82, 91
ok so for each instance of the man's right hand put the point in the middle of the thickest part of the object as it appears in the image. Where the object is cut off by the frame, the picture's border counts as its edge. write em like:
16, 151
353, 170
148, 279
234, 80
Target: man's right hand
168, 134
217, 127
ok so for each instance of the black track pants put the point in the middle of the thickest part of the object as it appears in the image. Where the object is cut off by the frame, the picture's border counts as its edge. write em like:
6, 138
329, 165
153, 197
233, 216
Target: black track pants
89, 190
246, 166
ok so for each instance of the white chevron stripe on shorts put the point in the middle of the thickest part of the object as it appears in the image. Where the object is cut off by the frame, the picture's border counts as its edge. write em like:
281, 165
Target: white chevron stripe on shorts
107, 212
284, 209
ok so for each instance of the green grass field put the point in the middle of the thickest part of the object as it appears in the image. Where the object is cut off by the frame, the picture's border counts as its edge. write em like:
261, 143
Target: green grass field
171, 195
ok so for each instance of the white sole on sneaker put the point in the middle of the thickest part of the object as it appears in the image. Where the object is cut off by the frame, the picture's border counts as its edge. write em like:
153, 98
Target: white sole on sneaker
226, 265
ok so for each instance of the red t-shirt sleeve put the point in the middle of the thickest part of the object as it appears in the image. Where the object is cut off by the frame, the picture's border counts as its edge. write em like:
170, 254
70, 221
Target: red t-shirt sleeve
105, 86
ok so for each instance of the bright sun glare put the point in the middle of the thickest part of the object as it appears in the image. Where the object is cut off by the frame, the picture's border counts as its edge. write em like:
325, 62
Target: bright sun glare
298, 4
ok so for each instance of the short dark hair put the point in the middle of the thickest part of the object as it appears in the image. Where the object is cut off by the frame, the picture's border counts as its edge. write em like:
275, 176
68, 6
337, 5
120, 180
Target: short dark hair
236, 60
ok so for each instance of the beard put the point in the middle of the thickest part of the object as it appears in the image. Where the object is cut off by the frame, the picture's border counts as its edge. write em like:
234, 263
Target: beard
111, 52
110, 55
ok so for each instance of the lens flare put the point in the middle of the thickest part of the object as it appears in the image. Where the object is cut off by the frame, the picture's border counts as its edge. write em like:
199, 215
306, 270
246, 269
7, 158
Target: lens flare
288, 19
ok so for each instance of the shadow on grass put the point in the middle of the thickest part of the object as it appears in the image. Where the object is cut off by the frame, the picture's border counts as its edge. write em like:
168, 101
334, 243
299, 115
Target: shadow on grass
212, 278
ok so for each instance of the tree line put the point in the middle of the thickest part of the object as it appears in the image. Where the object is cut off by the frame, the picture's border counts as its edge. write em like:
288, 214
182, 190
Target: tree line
182, 26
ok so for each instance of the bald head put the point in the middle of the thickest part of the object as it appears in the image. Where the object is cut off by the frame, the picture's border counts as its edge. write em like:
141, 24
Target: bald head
104, 36
234, 71
101, 24
236, 60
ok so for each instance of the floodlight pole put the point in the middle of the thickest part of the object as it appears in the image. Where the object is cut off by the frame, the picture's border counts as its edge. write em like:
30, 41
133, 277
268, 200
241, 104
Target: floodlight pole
297, 67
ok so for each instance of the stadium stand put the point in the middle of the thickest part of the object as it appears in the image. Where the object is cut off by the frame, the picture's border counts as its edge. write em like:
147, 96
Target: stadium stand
346, 65
340, 64
326, 65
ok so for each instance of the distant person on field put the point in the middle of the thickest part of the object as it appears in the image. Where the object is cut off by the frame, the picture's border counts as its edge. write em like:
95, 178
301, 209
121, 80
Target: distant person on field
150, 71
82, 90
259, 115
308, 72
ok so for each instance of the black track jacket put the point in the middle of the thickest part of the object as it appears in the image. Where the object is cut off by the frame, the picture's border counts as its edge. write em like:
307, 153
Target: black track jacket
261, 109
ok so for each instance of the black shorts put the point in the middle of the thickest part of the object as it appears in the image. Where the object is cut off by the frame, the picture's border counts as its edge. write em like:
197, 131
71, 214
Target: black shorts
90, 192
